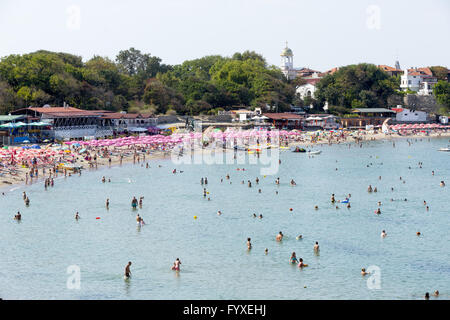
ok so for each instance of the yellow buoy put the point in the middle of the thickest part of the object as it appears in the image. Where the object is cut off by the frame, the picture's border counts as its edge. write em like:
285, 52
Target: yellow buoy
195, 217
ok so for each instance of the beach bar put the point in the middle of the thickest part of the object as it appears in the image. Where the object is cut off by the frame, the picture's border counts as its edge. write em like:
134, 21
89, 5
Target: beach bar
367, 117
285, 120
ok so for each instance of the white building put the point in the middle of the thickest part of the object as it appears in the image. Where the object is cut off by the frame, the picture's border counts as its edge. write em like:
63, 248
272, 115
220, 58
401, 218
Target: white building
411, 116
420, 80
309, 88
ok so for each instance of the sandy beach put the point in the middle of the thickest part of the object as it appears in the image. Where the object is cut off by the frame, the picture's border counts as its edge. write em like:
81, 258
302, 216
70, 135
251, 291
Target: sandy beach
112, 156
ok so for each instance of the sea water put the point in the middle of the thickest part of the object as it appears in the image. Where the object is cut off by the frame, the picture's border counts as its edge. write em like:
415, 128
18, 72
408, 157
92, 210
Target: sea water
39, 254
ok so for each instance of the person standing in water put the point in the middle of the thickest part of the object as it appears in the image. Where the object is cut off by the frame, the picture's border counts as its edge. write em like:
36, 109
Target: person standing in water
293, 258
176, 265
127, 274
249, 244
134, 203
316, 247
107, 203
279, 236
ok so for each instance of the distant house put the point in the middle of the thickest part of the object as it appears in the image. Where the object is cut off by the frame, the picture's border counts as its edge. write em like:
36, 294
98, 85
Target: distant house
420, 80
306, 72
308, 89
407, 115
390, 70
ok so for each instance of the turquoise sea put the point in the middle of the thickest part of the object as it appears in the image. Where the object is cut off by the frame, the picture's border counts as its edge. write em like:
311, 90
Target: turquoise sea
36, 252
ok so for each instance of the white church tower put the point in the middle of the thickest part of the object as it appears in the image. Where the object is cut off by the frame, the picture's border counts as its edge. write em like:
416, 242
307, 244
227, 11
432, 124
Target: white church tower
287, 63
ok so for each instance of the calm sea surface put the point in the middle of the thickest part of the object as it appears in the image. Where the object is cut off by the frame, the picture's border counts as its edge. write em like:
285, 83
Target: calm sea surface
35, 253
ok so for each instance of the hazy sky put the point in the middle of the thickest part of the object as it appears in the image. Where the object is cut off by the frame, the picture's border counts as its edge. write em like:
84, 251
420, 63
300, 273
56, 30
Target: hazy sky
322, 34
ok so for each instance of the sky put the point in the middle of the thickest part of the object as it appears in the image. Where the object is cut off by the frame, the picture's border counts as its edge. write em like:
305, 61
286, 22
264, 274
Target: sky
321, 34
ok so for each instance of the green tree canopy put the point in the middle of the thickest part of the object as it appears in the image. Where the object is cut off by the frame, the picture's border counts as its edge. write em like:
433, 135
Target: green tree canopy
362, 85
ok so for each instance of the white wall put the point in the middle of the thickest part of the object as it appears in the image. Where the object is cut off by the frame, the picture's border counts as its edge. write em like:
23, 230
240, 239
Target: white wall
409, 115
303, 90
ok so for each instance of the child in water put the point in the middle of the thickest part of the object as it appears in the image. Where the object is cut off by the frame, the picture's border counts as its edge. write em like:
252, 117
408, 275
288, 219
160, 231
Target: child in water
176, 265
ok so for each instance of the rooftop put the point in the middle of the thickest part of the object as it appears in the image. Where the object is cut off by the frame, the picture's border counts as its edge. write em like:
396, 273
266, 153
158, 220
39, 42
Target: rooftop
283, 116
373, 110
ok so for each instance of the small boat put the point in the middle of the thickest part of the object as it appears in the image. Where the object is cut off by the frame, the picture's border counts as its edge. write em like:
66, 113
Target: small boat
299, 150
314, 152
444, 149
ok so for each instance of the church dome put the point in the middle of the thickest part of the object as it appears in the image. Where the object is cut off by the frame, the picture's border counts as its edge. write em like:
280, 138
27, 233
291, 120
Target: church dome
287, 52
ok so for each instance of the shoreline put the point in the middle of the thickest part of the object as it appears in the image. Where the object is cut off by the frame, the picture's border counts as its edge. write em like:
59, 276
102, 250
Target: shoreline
13, 182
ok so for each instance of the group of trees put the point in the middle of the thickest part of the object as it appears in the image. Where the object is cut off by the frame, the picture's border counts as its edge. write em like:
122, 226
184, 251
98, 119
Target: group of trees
357, 86
442, 93
139, 82
45, 77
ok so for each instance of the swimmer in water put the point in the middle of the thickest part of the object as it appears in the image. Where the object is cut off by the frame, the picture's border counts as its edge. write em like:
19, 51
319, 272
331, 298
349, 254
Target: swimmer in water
293, 182
378, 211
266, 251
348, 205
375, 189
333, 200
379, 203
436, 293
260, 216
254, 215
442, 184
427, 296
299, 237
316, 207
363, 272
134, 203
18, 216
127, 270
259, 190
383, 234
279, 236
293, 258
219, 213
107, 203
301, 264
103, 179
176, 265
418, 233
369, 189
249, 244
77, 216
316, 247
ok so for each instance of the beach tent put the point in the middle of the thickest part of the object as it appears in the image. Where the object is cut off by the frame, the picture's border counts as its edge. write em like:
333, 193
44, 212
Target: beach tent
9, 125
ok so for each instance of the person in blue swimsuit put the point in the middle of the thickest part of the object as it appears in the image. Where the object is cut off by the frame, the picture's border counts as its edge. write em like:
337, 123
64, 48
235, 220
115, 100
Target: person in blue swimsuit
293, 258
134, 203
